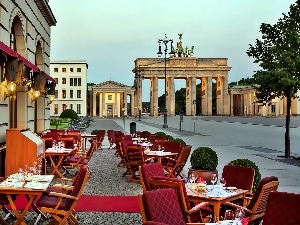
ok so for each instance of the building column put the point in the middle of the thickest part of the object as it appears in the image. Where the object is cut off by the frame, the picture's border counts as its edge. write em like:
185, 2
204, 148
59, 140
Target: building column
40, 125
209, 96
151, 95
103, 108
225, 95
155, 96
171, 96
22, 111
93, 109
140, 94
193, 95
231, 104
116, 106
132, 104
219, 101
188, 98
204, 96
125, 103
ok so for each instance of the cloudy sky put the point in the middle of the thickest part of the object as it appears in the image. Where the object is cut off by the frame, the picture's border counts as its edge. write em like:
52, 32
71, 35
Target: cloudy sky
111, 34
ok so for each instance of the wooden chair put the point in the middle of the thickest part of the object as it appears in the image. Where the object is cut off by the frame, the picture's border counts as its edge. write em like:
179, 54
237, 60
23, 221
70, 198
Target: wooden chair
256, 208
148, 171
68, 141
175, 166
123, 155
282, 208
162, 206
61, 206
3, 205
159, 141
135, 157
197, 213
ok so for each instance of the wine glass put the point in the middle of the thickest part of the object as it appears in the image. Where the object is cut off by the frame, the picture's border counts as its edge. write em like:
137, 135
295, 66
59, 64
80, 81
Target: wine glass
223, 182
214, 179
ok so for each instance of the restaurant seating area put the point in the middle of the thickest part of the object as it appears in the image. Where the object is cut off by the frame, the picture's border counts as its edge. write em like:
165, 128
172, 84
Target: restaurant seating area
148, 167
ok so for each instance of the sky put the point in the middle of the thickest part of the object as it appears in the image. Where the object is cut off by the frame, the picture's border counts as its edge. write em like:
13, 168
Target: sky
111, 34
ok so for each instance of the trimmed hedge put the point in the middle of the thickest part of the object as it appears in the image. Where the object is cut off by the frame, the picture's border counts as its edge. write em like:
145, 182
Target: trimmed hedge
69, 113
204, 158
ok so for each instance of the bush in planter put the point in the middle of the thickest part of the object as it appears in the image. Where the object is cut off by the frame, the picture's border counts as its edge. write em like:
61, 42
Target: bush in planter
94, 132
204, 158
160, 134
170, 138
179, 140
69, 113
249, 163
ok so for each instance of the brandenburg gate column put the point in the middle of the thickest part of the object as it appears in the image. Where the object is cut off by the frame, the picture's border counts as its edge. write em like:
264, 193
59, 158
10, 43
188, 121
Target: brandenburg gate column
225, 96
154, 97
132, 104
193, 94
188, 100
219, 110
204, 96
102, 112
139, 97
94, 103
171, 96
209, 96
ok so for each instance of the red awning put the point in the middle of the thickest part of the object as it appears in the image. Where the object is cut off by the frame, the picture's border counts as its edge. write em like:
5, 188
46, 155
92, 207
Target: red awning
29, 64
48, 77
8, 50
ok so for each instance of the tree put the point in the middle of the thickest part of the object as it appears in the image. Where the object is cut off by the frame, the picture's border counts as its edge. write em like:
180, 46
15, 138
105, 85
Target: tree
279, 59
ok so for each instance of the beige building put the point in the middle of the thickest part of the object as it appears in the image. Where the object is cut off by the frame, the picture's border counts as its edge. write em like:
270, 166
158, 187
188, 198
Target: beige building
24, 61
244, 103
71, 86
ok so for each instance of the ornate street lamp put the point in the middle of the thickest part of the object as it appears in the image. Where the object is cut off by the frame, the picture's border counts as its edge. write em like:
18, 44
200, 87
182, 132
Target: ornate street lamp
165, 42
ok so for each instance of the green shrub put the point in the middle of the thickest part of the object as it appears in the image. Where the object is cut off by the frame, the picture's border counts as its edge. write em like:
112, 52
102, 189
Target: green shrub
94, 132
160, 134
179, 140
204, 158
249, 163
69, 113
170, 138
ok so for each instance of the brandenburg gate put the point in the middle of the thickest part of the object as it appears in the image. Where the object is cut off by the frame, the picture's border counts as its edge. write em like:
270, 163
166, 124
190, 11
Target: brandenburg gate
190, 69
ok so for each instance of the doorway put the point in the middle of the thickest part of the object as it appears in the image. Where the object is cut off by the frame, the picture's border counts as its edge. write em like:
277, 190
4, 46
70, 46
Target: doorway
110, 110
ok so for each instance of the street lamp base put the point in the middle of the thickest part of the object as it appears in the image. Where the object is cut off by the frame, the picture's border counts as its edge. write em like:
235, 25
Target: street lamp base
165, 126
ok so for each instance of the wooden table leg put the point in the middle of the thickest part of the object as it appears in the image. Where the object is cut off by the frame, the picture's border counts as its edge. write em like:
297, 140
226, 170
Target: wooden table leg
20, 216
56, 166
217, 206
36, 209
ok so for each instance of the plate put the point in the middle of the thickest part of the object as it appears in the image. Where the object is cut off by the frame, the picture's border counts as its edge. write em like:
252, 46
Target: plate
231, 188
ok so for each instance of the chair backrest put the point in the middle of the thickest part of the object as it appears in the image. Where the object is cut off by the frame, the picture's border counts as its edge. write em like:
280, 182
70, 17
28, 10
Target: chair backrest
282, 208
159, 141
101, 133
184, 155
68, 141
135, 154
152, 137
171, 146
148, 171
154, 223
145, 134
161, 206
123, 145
263, 181
79, 184
239, 176
259, 206
127, 137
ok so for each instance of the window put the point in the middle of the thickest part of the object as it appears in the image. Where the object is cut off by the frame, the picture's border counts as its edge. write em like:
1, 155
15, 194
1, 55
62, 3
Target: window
79, 81
64, 107
78, 93
109, 97
71, 81
56, 94
63, 93
63, 70
273, 108
71, 70
55, 70
56, 80
75, 81
78, 70
71, 93
63, 80
71, 106
55, 108
78, 109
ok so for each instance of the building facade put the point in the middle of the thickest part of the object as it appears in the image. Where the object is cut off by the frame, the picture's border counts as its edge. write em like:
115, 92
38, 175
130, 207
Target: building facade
25, 29
71, 87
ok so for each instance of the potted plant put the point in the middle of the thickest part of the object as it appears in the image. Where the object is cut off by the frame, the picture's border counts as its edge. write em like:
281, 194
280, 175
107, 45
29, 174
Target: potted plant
204, 161
249, 163
179, 140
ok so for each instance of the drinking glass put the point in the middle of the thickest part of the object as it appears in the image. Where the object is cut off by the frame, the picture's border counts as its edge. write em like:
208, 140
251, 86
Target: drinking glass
214, 179
223, 182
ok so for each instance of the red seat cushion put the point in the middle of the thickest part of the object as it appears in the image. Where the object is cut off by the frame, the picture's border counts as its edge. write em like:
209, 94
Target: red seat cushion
51, 202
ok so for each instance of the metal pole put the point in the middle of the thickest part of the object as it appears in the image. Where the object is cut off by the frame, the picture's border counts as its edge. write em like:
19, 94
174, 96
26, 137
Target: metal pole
166, 111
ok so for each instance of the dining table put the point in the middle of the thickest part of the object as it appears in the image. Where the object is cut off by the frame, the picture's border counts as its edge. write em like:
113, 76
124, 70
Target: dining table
213, 196
84, 138
16, 184
57, 156
159, 155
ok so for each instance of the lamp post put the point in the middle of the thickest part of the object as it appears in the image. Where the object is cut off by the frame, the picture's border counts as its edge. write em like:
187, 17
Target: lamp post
165, 42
